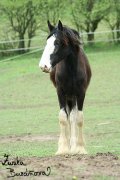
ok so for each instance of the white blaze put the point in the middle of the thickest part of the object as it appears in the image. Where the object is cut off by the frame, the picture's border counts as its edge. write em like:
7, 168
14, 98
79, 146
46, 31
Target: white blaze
49, 48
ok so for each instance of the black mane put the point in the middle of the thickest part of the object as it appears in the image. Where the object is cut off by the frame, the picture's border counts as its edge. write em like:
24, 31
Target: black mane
72, 35
69, 33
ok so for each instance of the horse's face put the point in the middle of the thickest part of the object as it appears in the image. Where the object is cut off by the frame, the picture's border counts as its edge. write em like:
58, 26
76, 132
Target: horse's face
45, 62
55, 49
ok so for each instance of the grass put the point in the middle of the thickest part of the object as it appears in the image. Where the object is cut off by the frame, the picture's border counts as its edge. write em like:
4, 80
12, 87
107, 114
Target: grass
30, 149
28, 104
104, 178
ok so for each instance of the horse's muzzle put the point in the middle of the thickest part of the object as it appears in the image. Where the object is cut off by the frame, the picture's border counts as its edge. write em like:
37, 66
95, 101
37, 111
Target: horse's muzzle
46, 70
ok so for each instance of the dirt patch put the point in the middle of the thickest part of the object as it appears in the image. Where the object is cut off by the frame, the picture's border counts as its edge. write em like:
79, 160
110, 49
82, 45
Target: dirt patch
28, 138
69, 167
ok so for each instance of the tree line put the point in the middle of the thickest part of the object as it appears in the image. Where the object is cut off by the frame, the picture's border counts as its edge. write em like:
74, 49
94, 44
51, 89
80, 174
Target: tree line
25, 17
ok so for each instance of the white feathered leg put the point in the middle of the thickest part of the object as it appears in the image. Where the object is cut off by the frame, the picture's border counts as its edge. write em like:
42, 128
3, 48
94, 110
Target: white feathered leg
73, 124
80, 138
77, 140
63, 143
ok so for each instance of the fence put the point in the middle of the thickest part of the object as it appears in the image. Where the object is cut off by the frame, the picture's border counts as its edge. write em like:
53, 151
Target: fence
100, 36
35, 49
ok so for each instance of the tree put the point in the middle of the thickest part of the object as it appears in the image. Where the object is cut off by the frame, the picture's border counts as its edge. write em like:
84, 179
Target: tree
87, 14
22, 16
113, 19
52, 10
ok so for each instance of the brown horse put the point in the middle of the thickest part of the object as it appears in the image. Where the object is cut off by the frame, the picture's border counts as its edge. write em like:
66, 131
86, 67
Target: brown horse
70, 72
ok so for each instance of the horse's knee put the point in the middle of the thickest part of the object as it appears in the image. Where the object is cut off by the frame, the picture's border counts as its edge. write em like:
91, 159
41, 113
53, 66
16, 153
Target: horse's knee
76, 116
62, 117
73, 115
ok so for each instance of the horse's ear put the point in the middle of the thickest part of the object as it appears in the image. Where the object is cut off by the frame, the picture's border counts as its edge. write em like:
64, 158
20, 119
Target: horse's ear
60, 26
50, 26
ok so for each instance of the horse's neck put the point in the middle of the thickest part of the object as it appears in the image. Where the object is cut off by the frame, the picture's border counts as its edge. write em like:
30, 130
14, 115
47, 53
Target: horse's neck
71, 62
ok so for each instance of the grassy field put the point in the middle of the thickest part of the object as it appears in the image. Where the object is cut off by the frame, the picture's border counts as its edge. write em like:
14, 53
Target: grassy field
29, 106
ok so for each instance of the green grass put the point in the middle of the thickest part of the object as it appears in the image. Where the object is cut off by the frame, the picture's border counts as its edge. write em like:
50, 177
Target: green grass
102, 177
28, 104
30, 149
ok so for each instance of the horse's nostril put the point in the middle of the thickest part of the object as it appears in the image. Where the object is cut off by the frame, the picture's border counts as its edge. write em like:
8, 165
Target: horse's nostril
45, 69
42, 68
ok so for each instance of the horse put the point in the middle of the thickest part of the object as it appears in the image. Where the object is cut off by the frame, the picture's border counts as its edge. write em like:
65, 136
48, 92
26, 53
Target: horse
64, 59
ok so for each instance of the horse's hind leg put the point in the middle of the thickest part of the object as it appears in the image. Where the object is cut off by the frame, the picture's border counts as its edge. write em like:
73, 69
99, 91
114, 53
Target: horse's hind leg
80, 123
63, 143
80, 138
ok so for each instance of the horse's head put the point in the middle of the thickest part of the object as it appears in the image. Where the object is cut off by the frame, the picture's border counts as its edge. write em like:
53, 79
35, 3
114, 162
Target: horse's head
57, 47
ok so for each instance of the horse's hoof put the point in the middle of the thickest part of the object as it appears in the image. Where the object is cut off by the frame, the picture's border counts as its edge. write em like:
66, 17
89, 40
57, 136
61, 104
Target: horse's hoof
62, 152
81, 150
73, 152
78, 150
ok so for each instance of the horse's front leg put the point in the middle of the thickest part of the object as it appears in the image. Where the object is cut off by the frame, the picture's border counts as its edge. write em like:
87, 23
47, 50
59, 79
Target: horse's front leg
73, 125
76, 122
63, 143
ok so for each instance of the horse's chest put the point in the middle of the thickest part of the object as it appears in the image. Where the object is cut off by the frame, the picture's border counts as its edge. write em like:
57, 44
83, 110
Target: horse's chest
67, 83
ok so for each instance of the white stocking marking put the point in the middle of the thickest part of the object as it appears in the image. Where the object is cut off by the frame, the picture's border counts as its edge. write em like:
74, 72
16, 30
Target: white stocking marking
73, 123
63, 144
80, 139
77, 140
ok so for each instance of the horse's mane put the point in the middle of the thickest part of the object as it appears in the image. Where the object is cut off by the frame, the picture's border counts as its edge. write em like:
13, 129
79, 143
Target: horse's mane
69, 35
72, 35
